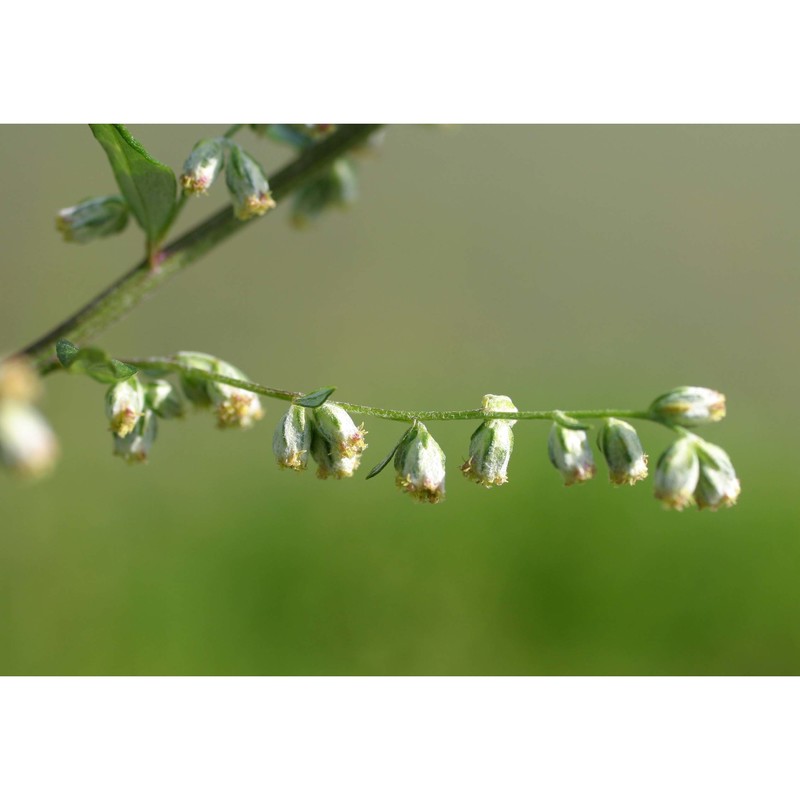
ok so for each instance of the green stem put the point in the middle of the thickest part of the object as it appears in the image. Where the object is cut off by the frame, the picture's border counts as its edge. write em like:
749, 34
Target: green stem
232, 131
129, 290
161, 365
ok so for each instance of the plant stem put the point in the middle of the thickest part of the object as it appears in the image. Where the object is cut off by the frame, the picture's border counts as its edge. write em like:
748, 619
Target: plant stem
162, 365
129, 290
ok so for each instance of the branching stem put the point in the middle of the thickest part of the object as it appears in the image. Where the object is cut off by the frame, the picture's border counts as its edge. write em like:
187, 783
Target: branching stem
128, 291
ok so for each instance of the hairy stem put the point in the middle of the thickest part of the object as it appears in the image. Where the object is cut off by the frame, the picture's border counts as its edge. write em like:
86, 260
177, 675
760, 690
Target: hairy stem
128, 291
162, 365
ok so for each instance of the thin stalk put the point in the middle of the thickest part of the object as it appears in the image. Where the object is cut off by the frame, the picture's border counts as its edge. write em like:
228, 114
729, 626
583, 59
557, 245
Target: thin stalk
128, 291
161, 365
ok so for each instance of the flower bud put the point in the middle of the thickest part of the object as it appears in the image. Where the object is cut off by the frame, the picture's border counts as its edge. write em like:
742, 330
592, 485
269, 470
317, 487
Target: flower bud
164, 399
491, 445
27, 444
135, 446
292, 439
236, 408
571, 454
247, 184
420, 465
689, 406
717, 485
18, 381
202, 166
677, 473
93, 218
337, 443
620, 445
124, 405
336, 187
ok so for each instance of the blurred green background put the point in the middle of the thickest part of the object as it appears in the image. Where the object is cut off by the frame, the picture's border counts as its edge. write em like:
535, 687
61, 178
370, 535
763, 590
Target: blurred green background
571, 267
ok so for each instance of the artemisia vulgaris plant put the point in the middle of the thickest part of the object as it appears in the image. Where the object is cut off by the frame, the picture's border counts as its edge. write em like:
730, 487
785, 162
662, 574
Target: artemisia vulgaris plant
143, 394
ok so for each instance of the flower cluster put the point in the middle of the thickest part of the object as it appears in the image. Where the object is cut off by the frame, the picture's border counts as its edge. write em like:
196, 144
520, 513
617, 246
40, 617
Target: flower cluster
327, 433
135, 405
28, 445
244, 177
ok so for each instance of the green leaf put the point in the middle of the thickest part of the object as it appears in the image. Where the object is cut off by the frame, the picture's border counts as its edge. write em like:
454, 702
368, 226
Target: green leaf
315, 399
378, 468
92, 362
149, 187
66, 352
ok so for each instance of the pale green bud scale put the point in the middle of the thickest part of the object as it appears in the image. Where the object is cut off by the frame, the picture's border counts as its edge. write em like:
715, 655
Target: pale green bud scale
622, 450
420, 465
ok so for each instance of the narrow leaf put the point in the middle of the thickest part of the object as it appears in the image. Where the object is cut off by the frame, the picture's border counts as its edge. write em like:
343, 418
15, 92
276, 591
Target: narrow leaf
66, 352
149, 186
378, 468
315, 399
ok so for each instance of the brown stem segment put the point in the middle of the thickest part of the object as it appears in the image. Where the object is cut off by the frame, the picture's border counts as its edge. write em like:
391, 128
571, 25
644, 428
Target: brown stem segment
128, 291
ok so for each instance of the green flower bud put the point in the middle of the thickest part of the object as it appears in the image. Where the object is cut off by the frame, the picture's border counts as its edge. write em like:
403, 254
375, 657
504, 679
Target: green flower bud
491, 445
337, 443
420, 465
292, 439
336, 187
135, 446
92, 219
620, 445
235, 407
164, 399
124, 405
28, 446
718, 485
689, 406
247, 184
571, 454
202, 166
677, 473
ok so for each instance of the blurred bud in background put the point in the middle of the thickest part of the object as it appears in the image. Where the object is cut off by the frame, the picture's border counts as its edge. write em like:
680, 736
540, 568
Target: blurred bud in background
92, 219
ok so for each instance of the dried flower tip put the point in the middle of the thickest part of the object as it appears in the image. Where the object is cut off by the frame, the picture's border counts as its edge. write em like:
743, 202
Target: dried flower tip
420, 465
292, 439
571, 454
28, 446
336, 426
19, 381
491, 445
717, 485
677, 473
247, 184
235, 407
689, 406
164, 399
135, 447
620, 445
124, 405
92, 219
202, 166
